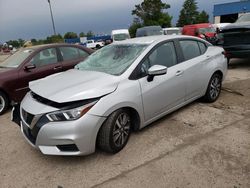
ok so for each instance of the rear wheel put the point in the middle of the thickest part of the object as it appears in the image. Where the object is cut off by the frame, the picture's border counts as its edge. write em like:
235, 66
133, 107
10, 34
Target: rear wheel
214, 88
4, 103
114, 133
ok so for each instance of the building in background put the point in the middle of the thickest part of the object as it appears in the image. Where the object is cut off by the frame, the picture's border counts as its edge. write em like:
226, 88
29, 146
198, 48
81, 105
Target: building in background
229, 12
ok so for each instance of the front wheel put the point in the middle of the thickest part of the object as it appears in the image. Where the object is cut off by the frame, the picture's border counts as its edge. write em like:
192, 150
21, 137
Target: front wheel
4, 103
114, 133
214, 88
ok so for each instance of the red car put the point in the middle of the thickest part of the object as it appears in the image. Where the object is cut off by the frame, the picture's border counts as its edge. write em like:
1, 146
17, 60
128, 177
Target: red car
33, 63
204, 30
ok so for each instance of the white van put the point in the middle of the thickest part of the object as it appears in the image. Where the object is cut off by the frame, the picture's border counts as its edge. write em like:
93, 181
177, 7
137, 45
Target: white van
120, 34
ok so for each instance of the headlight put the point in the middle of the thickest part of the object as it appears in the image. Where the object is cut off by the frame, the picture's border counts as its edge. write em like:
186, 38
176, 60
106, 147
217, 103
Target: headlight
71, 114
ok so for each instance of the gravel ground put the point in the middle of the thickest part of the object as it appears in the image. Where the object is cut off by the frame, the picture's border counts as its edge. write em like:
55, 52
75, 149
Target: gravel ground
200, 145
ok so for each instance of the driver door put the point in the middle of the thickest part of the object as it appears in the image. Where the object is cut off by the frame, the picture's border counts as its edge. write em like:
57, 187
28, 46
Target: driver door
164, 92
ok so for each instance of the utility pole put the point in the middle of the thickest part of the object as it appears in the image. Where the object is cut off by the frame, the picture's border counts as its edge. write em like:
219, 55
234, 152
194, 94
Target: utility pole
54, 29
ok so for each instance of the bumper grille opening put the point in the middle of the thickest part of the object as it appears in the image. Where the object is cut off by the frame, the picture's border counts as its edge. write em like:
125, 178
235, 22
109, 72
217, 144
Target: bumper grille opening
68, 148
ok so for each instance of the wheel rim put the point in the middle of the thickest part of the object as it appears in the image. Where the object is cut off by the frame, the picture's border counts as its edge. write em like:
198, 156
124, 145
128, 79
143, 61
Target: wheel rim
2, 103
215, 88
121, 129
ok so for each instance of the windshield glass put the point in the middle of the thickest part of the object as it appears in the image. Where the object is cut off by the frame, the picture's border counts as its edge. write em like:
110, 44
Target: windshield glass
119, 37
16, 59
244, 18
112, 59
207, 30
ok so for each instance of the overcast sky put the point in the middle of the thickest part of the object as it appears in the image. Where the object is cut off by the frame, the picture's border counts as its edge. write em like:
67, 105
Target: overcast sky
31, 18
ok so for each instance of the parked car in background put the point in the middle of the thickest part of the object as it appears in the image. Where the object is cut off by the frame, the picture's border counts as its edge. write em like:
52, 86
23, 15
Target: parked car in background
34, 63
205, 31
94, 44
220, 26
149, 31
172, 31
120, 88
120, 34
236, 38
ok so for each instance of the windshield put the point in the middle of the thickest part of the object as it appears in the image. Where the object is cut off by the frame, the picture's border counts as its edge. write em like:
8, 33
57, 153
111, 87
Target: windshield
112, 59
121, 36
207, 30
16, 59
244, 18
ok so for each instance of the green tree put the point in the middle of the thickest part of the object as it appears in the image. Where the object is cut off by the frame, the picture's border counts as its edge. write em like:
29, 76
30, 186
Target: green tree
33, 41
21, 42
150, 12
134, 26
189, 13
54, 39
70, 35
14, 43
82, 34
90, 34
203, 17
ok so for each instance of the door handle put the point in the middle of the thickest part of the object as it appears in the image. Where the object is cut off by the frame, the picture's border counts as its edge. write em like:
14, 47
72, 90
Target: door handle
57, 67
179, 73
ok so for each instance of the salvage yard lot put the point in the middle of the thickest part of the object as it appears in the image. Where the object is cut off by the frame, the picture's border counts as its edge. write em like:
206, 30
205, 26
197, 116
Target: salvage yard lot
200, 145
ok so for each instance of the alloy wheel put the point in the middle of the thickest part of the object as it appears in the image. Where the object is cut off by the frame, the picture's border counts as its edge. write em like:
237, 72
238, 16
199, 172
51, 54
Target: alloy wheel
2, 103
121, 129
215, 87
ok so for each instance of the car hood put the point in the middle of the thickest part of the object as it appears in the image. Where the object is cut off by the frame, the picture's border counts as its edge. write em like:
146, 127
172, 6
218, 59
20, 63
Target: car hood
236, 26
74, 85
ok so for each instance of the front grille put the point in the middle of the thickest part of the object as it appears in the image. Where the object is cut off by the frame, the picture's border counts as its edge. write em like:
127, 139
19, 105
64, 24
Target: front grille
27, 117
28, 134
32, 125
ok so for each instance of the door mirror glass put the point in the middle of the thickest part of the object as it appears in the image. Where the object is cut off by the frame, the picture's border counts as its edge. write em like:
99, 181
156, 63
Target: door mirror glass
156, 70
29, 67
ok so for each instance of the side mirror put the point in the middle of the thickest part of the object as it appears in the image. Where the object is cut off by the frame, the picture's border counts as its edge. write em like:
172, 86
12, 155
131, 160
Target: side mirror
156, 70
29, 67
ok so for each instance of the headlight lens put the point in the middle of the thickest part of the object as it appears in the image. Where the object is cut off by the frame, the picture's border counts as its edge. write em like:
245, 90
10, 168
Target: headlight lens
71, 114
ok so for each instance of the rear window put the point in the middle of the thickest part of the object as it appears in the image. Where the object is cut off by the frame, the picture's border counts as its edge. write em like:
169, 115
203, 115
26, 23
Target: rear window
203, 47
69, 53
190, 49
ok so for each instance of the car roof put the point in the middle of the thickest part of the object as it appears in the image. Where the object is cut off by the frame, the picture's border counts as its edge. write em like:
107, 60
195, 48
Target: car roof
152, 39
49, 45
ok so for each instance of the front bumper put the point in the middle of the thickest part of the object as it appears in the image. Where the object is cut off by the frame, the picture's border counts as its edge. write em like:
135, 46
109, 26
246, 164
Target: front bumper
61, 138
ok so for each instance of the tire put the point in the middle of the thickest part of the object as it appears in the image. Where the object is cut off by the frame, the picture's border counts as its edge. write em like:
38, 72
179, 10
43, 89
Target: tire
114, 133
4, 103
98, 46
213, 88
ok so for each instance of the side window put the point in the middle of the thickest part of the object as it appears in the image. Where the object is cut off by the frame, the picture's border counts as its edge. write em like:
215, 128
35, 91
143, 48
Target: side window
69, 53
163, 55
203, 47
45, 57
190, 49
82, 53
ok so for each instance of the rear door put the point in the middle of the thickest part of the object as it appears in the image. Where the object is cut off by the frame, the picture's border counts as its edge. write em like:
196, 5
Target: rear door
72, 56
194, 64
45, 62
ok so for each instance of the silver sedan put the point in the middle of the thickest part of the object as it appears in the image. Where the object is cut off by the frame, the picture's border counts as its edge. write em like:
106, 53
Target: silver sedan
119, 89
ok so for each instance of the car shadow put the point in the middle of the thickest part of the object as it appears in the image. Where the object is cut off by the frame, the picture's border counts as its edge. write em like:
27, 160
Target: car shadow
239, 63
